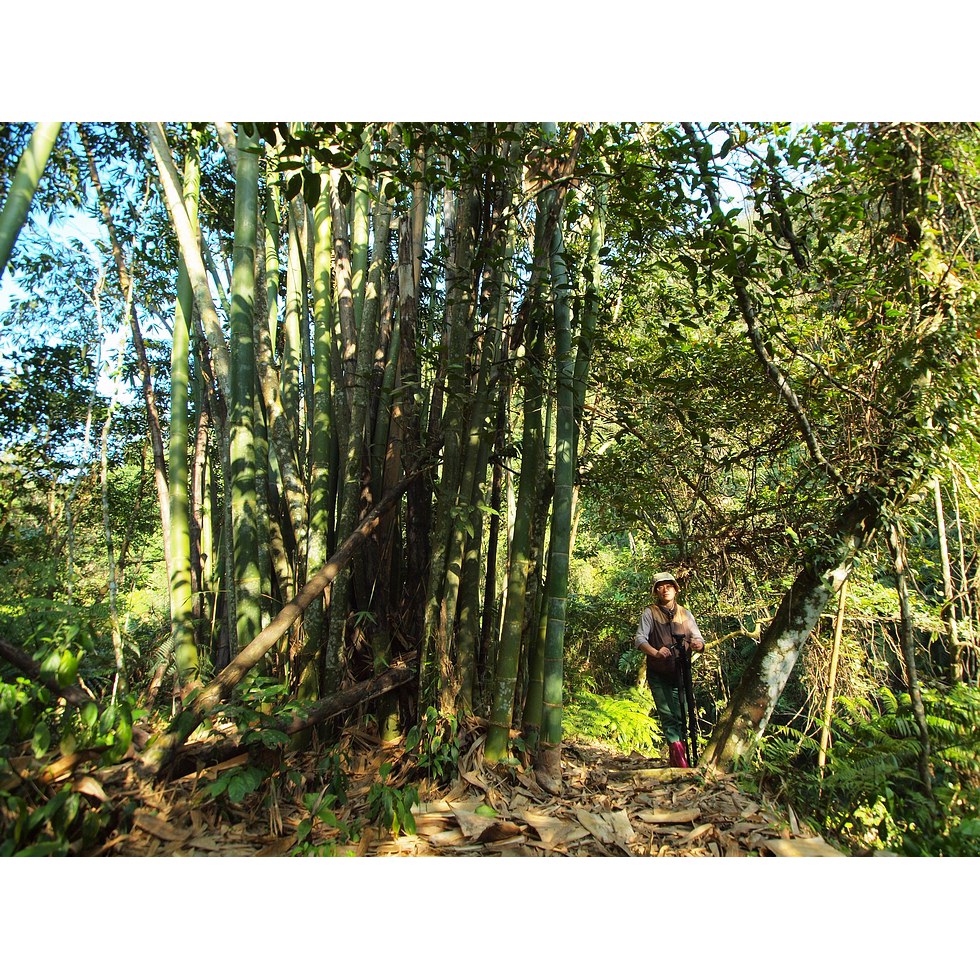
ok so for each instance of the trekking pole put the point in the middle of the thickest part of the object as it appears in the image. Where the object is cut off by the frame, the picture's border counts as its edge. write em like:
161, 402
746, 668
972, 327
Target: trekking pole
692, 712
680, 679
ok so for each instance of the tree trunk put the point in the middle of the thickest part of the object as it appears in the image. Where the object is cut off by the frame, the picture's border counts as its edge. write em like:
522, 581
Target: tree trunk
745, 718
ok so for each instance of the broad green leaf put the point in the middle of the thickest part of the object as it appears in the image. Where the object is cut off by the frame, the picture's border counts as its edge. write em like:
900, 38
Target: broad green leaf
41, 740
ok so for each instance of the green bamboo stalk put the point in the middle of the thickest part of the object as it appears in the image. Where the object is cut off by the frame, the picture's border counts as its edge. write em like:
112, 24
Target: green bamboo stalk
521, 557
384, 415
204, 509
292, 364
202, 529
24, 186
181, 591
561, 521
263, 469
243, 495
407, 412
191, 251
508, 653
282, 429
321, 512
532, 659
368, 340
534, 699
357, 351
361, 228
323, 472
449, 526
481, 433
272, 247
489, 625
284, 466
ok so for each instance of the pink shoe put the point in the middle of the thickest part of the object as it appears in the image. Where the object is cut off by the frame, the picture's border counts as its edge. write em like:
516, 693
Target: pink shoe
678, 755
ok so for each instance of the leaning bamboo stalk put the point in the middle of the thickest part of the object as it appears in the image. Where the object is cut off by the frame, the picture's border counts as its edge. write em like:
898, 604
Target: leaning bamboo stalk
191, 251
162, 750
832, 679
205, 754
24, 186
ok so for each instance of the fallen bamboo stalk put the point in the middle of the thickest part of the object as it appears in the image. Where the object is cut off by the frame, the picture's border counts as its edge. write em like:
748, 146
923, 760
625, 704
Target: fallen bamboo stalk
163, 749
24, 662
209, 754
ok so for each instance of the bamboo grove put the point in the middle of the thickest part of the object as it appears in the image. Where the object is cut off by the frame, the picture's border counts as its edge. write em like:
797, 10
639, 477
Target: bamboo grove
400, 354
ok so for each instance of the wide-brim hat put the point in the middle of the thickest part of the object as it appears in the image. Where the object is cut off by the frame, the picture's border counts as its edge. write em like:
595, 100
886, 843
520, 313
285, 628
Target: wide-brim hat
662, 577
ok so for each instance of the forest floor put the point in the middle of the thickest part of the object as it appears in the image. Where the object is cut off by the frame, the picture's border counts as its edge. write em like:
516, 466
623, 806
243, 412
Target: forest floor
610, 805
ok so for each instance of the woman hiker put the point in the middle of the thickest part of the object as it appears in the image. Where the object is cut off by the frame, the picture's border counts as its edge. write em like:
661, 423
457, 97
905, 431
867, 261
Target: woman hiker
659, 624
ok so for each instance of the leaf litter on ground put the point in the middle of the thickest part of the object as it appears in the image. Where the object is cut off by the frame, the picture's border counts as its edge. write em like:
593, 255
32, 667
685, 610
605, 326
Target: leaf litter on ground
610, 805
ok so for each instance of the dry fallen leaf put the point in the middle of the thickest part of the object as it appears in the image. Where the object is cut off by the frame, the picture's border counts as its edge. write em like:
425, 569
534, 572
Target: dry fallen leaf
669, 816
802, 847
693, 835
427, 824
603, 826
160, 828
501, 830
472, 824
90, 787
447, 838
552, 830
622, 828
474, 780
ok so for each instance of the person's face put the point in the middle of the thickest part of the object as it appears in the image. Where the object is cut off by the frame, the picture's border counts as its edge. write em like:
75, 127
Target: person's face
666, 592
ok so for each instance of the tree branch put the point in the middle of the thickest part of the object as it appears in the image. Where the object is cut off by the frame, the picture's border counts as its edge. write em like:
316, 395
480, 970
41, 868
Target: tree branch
748, 315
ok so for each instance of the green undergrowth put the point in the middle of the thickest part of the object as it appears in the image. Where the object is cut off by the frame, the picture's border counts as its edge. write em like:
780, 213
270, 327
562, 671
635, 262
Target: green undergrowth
41, 812
623, 720
870, 795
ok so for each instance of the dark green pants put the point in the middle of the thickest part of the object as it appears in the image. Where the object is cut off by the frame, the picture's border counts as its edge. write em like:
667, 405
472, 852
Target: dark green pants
668, 700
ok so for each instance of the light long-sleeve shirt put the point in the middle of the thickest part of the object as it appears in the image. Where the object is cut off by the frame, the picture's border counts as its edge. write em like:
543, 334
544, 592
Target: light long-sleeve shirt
656, 626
